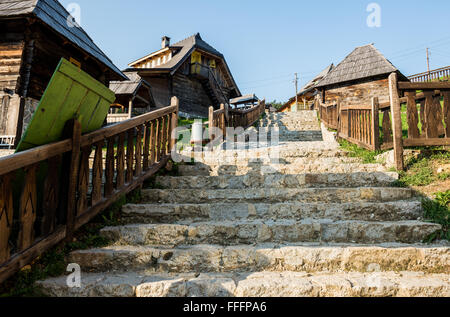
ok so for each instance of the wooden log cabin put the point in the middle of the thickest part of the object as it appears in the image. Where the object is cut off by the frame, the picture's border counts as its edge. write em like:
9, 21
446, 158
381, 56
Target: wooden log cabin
193, 71
306, 96
35, 35
133, 97
363, 74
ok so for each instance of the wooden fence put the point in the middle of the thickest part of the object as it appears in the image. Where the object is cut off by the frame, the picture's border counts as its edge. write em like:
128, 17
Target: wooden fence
427, 120
329, 115
50, 191
234, 118
434, 75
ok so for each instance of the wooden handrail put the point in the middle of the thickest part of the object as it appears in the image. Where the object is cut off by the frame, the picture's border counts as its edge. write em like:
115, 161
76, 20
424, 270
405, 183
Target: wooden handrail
74, 189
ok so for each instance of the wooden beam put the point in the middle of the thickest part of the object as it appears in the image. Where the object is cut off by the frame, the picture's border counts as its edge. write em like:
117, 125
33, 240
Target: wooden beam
424, 86
396, 121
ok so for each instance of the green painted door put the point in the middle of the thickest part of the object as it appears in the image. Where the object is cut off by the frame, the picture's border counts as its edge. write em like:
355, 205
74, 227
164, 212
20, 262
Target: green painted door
71, 93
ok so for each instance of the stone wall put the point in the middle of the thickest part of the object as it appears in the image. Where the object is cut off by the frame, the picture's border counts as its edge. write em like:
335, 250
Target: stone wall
361, 93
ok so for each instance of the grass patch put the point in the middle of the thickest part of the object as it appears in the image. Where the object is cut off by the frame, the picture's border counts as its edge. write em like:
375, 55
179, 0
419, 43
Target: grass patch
438, 211
422, 170
368, 157
53, 262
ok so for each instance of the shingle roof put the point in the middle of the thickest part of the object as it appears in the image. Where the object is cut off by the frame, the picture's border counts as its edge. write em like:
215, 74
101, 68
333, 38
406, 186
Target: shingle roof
127, 87
53, 14
363, 62
187, 46
316, 80
244, 99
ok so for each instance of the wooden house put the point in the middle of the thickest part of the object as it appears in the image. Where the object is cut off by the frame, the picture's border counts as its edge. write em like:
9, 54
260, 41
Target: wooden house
246, 101
133, 97
306, 96
193, 71
360, 76
34, 36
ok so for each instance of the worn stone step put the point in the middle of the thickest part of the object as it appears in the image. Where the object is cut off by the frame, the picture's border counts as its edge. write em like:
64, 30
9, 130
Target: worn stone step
276, 195
245, 161
289, 231
287, 169
381, 179
267, 257
261, 284
169, 213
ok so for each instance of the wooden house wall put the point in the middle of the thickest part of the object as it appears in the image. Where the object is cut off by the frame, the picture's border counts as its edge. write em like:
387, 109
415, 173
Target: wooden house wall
161, 90
192, 95
359, 93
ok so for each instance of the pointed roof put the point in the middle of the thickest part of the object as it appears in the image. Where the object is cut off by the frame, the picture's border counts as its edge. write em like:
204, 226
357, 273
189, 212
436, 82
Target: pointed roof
128, 87
364, 62
185, 48
316, 80
55, 16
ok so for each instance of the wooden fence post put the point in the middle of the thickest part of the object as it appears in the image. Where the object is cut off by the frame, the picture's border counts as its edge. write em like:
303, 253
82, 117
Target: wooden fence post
396, 121
174, 124
211, 123
73, 130
376, 123
338, 115
222, 121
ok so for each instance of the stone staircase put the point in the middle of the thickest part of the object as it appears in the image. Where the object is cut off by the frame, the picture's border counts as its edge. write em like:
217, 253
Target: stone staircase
313, 223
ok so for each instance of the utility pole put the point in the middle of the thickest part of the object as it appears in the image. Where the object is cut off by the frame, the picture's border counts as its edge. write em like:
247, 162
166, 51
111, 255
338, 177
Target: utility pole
428, 64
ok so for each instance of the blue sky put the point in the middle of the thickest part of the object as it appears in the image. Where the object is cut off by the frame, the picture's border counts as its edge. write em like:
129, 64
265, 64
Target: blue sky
266, 42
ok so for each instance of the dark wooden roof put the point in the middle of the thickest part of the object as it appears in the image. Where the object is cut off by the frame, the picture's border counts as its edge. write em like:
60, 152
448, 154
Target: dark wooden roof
54, 15
186, 48
364, 62
128, 87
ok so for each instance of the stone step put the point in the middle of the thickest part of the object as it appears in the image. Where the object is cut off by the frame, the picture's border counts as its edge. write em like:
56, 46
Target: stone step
287, 169
281, 231
261, 284
268, 257
276, 195
246, 160
169, 213
381, 179
281, 151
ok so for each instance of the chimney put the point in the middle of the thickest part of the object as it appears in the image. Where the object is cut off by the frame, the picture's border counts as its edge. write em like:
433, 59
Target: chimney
165, 42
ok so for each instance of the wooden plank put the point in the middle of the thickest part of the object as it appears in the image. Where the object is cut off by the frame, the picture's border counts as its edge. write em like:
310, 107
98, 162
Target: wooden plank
375, 124
153, 126
72, 129
138, 155
397, 122
28, 209
427, 142
109, 168
51, 196
120, 178
165, 128
6, 215
83, 180
424, 86
19, 160
115, 129
437, 111
423, 119
130, 156
413, 117
174, 124
157, 144
356, 107
97, 173
431, 123
146, 149
447, 113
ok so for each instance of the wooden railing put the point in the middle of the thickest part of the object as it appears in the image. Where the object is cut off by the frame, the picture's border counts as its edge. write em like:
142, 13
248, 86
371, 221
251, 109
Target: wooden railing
427, 118
427, 124
234, 118
48, 192
434, 75
246, 118
329, 115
